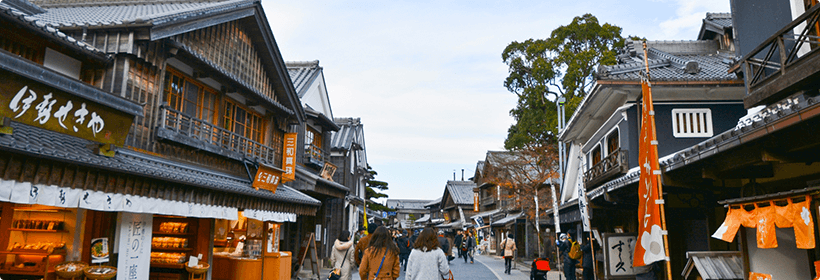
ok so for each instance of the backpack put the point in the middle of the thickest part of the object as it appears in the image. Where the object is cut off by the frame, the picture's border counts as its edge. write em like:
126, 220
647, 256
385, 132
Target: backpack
575, 252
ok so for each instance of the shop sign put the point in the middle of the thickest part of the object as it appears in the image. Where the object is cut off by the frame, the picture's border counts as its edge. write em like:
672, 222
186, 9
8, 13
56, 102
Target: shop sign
29, 102
289, 157
475, 202
99, 250
620, 249
267, 178
134, 246
328, 170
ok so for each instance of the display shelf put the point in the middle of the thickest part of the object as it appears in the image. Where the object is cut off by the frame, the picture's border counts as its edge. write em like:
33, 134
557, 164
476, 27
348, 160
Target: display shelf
172, 233
161, 249
167, 265
39, 230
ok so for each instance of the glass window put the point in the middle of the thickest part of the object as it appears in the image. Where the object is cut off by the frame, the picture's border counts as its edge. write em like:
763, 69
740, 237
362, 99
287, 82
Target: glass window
190, 97
595, 156
613, 142
242, 121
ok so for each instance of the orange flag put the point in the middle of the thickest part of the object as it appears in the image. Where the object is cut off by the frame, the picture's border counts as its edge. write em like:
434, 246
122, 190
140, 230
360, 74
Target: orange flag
785, 217
650, 232
766, 236
728, 229
803, 224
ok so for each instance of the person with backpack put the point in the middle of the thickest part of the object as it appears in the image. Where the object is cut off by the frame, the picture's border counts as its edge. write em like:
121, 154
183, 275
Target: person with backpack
342, 255
509, 252
588, 248
404, 248
565, 249
540, 268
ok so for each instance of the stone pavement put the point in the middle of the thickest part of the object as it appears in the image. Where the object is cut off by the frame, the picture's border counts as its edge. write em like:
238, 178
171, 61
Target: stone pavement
484, 267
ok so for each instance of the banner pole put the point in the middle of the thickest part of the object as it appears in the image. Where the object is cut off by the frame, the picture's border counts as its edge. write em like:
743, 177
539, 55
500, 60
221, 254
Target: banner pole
592, 251
658, 177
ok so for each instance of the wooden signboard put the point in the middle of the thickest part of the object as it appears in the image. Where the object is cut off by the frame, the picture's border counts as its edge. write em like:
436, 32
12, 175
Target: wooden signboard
618, 251
267, 178
308, 244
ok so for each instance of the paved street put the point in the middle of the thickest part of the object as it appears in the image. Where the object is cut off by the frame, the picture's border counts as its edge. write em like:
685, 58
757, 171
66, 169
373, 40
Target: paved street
484, 267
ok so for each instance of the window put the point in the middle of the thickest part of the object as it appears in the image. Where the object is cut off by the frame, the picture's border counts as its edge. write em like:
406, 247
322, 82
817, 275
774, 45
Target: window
312, 137
190, 97
243, 121
613, 142
595, 156
692, 123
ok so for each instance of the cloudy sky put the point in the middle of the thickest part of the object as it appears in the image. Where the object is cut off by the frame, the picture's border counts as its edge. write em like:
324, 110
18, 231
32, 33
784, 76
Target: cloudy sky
426, 77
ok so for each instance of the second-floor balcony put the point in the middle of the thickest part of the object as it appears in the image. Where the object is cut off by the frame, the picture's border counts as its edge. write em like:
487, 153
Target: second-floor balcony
785, 63
183, 129
314, 155
616, 163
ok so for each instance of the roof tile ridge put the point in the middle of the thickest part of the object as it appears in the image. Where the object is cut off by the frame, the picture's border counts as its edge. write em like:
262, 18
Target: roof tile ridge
167, 16
677, 62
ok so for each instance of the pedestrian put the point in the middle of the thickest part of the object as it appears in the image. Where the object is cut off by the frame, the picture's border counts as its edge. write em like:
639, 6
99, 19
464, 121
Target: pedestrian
509, 252
363, 243
404, 248
459, 242
414, 237
540, 268
445, 245
380, 260
467, 247
588, 266
564, 247
342, 255
427, 260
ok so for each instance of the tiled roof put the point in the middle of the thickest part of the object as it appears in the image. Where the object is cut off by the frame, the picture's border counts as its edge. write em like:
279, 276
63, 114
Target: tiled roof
414, 204
50, 144
34, 23
126, 13
345, 137
302, 73
508, 219
722, 20
670, 61
461, 191
433, 203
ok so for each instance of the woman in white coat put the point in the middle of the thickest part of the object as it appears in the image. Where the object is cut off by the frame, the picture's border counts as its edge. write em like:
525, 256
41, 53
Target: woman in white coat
343, 246
427, 261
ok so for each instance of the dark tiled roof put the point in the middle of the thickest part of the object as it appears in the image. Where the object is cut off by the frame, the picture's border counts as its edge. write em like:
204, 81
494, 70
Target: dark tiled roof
10, 13
508, 219
722, 20
414, 204
461, 191
345, 137
302, 73
50, 144
115, 14
433, 203
668, 61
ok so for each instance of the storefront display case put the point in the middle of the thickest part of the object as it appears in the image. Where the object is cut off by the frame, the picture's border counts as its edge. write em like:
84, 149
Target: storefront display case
37, 238
174, 240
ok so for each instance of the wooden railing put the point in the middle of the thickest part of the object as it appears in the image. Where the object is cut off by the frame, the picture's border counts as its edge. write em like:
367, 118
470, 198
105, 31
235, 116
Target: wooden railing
178, 127
314, 155
780, 56
615, 163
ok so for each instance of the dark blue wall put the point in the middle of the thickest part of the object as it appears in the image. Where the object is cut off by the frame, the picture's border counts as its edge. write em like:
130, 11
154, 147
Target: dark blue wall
757, 20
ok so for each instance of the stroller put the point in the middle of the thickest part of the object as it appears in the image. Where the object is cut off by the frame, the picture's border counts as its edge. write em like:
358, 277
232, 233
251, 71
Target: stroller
539, 270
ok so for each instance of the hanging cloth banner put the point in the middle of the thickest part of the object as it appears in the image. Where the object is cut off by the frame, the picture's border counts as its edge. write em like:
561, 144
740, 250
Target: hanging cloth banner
759, 276
728, 229
803, 224
766, 236
764, 218
650, 231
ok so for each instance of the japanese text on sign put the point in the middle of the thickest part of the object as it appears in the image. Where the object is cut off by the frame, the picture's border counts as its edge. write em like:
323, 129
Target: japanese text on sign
289, 158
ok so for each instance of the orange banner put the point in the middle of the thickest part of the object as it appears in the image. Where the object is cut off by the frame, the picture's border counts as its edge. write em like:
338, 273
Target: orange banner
475, 202
289, 158
650, 232
267, 178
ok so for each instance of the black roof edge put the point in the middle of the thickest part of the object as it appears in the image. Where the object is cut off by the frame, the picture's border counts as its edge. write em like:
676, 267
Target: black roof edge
25, 6
324, 120
63, 41
59, 81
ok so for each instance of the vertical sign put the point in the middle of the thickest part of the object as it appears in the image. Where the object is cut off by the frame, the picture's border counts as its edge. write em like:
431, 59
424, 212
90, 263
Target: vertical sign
582, 196
619, 249
267, 178
289, 158
475, 201
135, 246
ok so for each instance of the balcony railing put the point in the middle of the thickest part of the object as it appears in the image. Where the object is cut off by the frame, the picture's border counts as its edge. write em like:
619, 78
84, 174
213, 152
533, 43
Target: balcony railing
178, 127
785, 62
615, 163
314, 155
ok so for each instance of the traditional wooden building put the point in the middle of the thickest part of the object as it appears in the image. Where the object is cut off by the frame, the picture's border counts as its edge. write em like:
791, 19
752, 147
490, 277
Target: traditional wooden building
349, 154
180, 103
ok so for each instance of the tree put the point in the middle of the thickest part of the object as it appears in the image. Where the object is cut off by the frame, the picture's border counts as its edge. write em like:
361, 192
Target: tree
371, 191
541, 70
522, 175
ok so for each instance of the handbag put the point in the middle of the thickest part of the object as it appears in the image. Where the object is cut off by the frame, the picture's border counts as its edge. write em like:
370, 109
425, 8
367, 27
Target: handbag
450, 277
336, 274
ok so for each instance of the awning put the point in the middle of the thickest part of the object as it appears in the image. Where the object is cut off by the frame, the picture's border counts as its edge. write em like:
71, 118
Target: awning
507, 220
423, 219
456, 224
485, 214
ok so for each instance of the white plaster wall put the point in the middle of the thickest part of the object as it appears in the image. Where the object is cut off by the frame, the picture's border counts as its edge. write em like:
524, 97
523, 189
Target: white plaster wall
317, 98
61, 63
783, 262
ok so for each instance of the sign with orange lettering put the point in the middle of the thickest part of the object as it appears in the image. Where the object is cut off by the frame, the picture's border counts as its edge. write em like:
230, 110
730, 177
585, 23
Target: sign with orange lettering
267, 178
289, 158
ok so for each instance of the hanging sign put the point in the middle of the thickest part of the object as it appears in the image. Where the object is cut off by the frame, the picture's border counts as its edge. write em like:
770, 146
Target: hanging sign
267, 178
619, 249
99, 250
475, 201
289, 158
27, 101
134, 246
328, 170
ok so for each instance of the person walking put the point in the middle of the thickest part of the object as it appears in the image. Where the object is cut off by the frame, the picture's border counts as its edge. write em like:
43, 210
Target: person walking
588, 266
380, 260
468, 246
363, 243
404, 248
342, 254
509, 252
445, 245
427, 260
458, 241
564, 247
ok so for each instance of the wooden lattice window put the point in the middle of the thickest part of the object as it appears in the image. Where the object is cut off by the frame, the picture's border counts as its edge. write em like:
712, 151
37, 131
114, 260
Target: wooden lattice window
243, 121
692, 123
190, 97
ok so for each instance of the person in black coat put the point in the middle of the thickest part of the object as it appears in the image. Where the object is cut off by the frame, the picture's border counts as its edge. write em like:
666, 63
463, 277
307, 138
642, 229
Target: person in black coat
588, 248
564, 246
444, 244
404, 248
458, 241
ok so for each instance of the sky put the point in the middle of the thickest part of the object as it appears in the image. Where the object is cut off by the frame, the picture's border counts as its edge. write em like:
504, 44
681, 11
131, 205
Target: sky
426, 77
